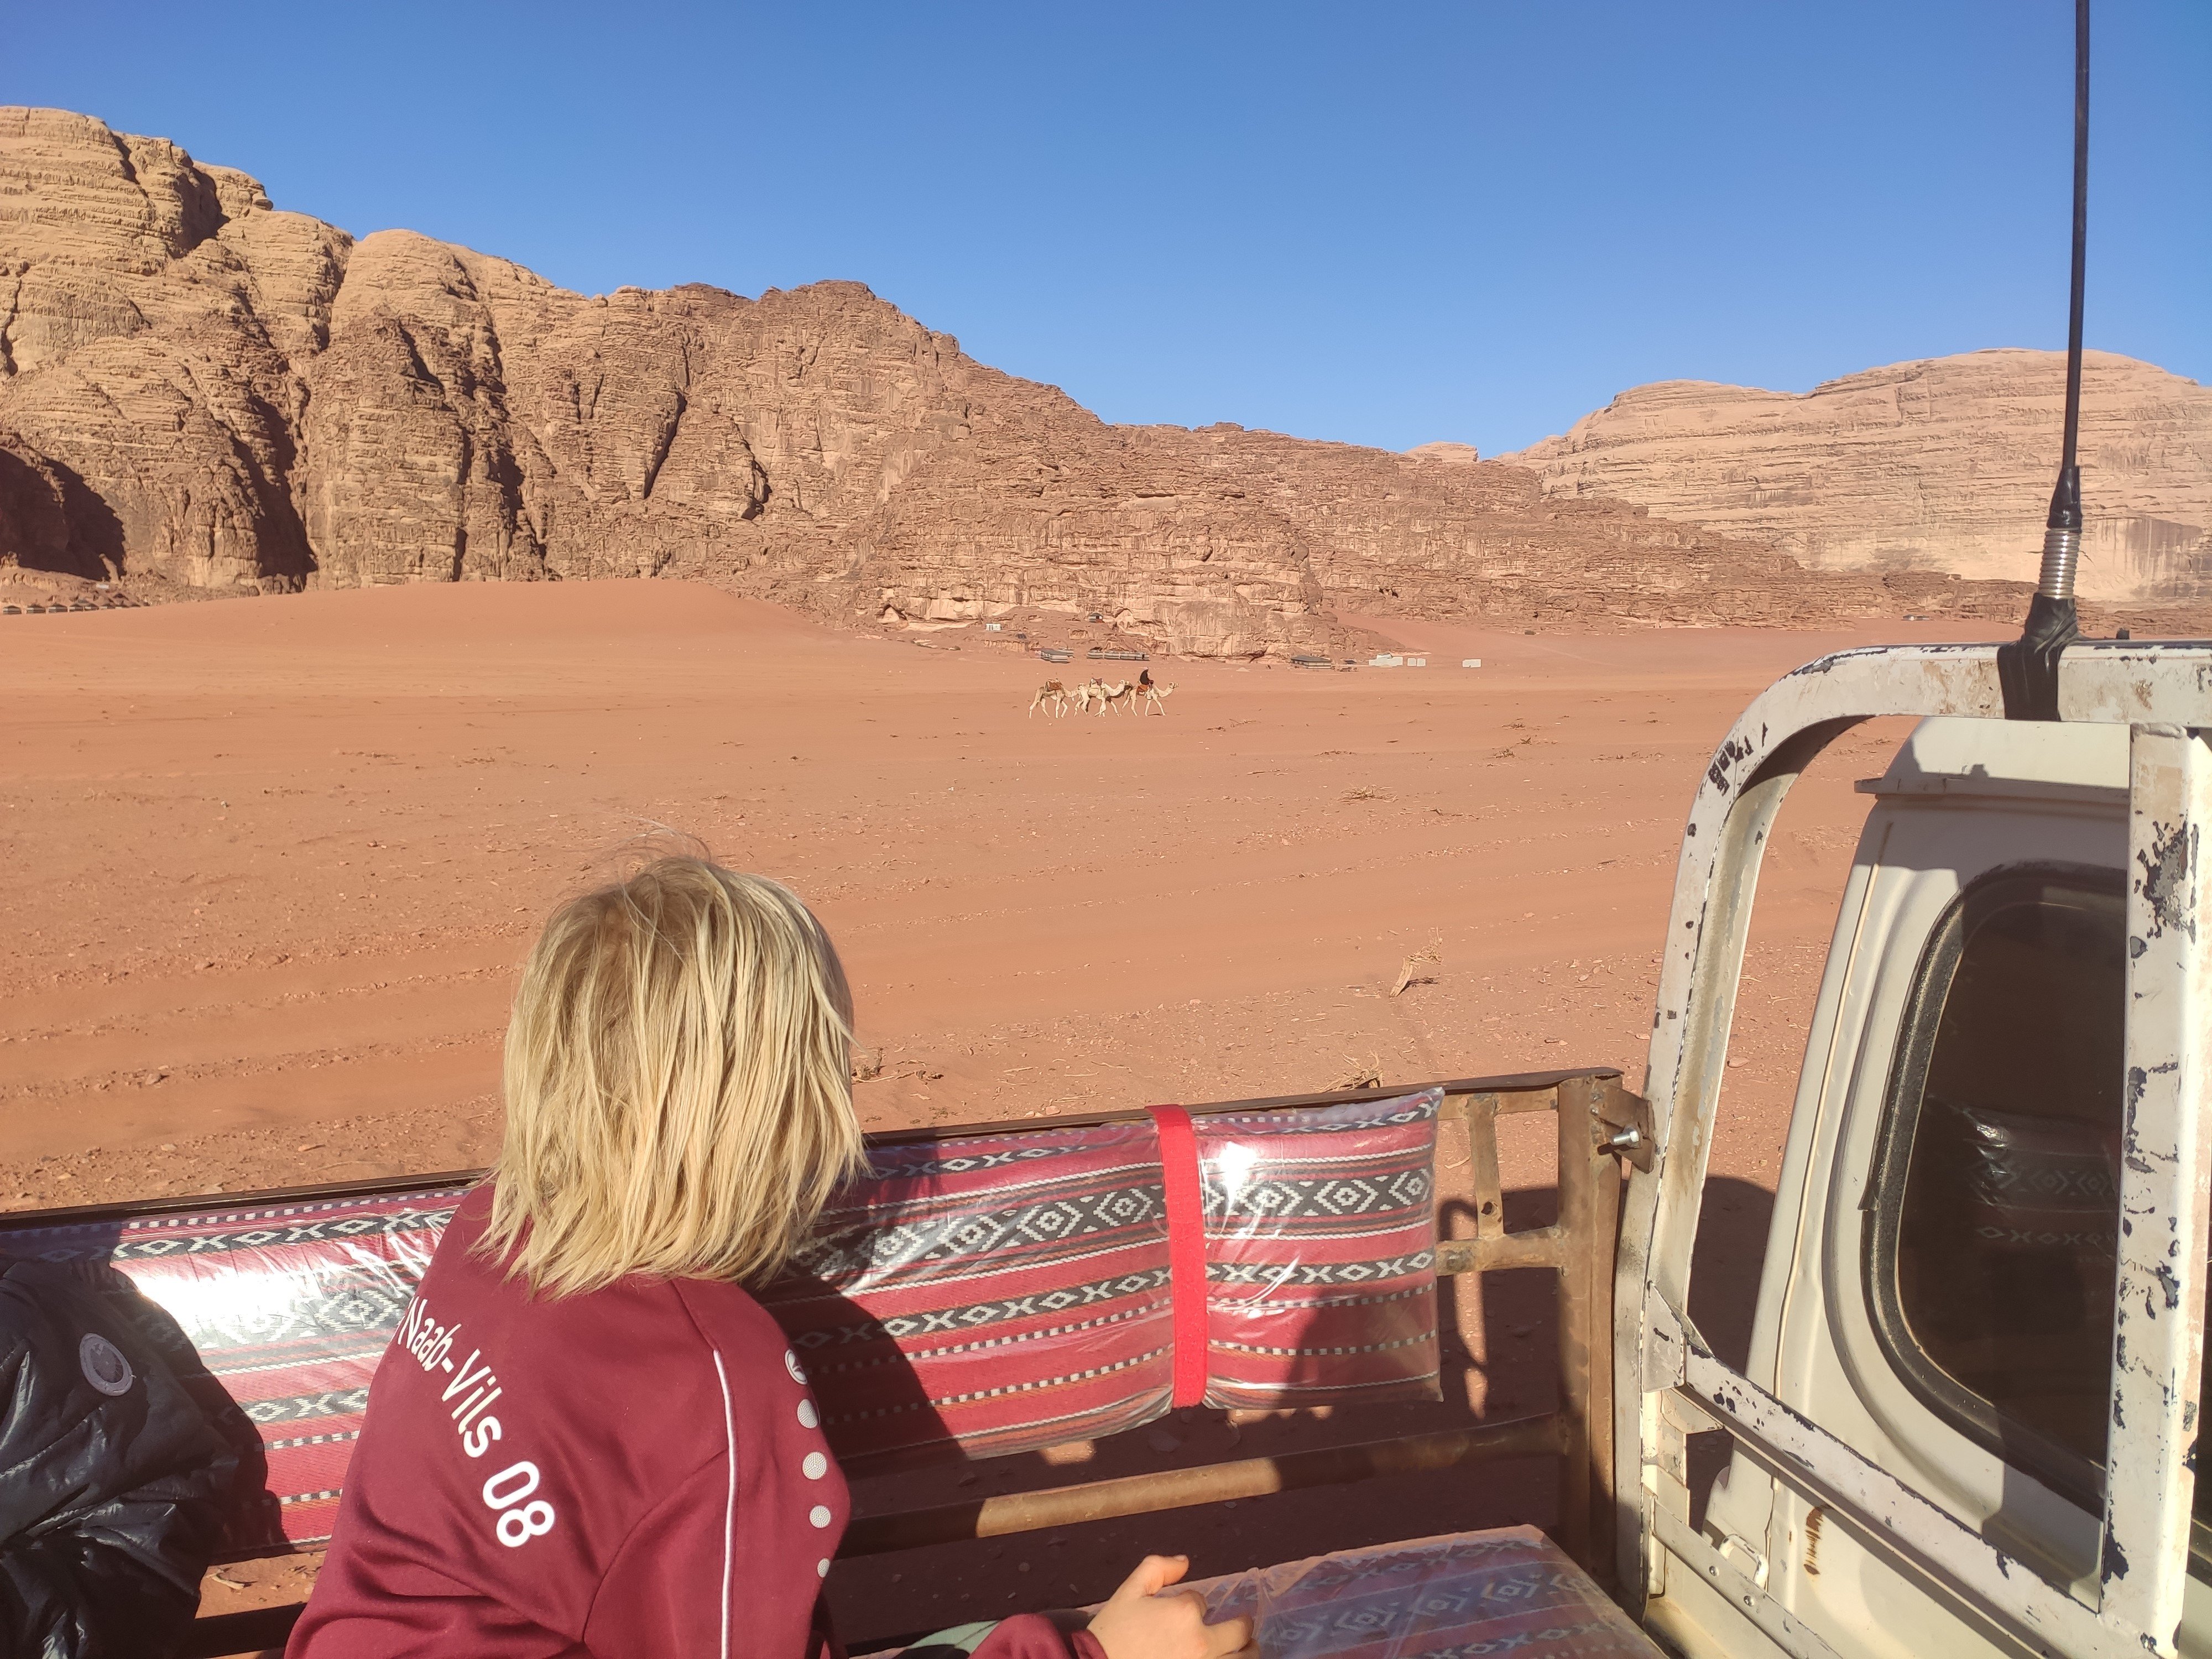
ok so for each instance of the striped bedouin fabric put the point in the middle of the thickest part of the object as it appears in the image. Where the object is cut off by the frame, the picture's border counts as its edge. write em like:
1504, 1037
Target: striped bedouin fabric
1009, 1292
1321, 1284
992, 1294
1511, 1591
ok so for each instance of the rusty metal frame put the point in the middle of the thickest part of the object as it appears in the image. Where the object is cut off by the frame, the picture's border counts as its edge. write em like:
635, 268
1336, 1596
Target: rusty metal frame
186, 1203
1591, 1106
1666, 1380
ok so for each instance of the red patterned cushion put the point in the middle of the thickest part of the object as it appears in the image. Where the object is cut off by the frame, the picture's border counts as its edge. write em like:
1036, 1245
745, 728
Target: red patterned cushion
1006, 1292
999, 1292
1002, 1291
1321, 1253
1509, 1591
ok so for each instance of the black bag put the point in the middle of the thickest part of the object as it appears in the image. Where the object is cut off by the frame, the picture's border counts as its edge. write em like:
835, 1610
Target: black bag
116, 1477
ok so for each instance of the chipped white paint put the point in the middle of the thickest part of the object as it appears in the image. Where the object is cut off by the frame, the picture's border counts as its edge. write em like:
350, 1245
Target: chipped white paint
2158, 1323
1784, 1629
1716, 880
1888, 1515
2122, 683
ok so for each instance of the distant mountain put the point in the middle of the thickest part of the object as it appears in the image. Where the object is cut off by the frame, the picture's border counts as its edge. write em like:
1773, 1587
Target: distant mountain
200, 393
1942, 464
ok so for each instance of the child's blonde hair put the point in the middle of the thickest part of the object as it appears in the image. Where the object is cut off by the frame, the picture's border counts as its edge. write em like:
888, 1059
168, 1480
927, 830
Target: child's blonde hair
678, 1085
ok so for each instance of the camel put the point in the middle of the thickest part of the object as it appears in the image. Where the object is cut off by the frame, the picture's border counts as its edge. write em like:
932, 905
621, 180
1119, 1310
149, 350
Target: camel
1113, 696
1151, 696
1052, 696
1092, 689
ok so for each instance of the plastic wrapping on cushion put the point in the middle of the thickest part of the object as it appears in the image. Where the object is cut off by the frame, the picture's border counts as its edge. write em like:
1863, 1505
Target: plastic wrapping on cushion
1508, 1591
289, 1308
1009, 1292
998, 1293
1321, 1253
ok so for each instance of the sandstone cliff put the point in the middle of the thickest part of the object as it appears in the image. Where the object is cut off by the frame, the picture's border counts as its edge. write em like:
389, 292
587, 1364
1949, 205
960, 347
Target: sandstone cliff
1944, 464
199, 392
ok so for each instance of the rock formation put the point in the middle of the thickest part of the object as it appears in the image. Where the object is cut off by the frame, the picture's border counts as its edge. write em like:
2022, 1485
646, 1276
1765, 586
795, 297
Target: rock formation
1451, 454
1944, 464
200, 393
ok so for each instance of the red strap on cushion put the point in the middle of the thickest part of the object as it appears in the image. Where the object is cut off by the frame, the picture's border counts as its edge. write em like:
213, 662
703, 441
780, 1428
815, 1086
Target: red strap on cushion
1185, 1207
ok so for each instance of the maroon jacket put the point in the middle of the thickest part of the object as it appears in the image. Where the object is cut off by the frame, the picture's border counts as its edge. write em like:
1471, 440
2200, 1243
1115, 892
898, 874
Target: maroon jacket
637, 1471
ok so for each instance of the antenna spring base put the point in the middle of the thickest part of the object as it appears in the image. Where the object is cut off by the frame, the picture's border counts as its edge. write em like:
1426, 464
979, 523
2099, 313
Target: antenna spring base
2061, 553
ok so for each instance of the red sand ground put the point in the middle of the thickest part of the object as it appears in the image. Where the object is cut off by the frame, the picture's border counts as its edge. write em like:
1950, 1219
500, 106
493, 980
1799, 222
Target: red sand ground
272, 865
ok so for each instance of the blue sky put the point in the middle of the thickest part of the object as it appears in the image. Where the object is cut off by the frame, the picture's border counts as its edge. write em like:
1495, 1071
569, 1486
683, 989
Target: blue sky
1386, 224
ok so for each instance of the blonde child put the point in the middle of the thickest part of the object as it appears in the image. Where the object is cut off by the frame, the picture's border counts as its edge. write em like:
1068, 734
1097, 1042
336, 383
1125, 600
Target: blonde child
587, 1437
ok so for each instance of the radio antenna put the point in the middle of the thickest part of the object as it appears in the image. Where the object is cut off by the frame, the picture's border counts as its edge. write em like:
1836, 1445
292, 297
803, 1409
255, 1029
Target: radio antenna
2028, 668
2062, 541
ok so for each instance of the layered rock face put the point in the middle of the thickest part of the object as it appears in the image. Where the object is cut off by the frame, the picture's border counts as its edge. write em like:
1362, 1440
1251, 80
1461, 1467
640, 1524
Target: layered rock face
200, 393
151, 305
1945, 464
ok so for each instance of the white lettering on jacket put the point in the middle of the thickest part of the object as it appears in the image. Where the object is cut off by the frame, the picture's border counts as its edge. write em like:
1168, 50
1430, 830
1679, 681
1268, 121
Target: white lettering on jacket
469, 1389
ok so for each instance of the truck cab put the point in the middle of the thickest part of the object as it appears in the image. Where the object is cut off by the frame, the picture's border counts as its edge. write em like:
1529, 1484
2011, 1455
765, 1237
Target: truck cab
1967, 1420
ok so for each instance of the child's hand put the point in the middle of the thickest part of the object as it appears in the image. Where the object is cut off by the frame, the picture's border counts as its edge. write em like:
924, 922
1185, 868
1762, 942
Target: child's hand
1139, 1622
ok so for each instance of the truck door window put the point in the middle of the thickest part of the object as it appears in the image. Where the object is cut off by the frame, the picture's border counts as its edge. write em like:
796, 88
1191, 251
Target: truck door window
1995, 1198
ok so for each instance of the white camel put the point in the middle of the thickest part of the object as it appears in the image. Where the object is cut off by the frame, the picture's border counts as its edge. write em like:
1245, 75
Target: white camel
1153, 695
1052, 696
1113, 696
1090, 690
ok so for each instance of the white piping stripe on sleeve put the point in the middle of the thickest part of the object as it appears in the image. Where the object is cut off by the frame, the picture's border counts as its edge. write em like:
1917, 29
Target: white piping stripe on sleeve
730, 1506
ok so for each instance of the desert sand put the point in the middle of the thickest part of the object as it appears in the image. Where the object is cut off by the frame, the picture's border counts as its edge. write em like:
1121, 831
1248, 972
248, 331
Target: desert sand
273, 864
